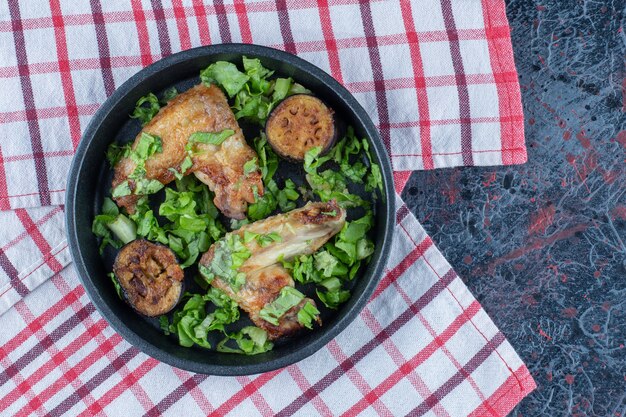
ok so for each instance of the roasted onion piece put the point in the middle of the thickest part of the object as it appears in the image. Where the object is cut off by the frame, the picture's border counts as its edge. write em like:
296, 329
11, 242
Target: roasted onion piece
150, 277
299, 123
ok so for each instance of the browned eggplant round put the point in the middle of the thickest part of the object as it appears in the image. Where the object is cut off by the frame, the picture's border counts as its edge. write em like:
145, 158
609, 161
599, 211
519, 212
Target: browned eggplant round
300, 123
150, 277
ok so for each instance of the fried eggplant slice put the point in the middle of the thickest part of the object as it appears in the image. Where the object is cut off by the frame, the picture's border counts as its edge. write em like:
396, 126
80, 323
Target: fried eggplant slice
245, 263
150, 277
200, 109
300, 123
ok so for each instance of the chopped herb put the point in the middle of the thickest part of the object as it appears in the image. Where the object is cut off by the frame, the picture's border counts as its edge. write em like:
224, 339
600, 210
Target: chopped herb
116, 152
230, 253
210, 138
169, 94
250, 167
288, 298
249, 236
225, 75
123, 228
307, 314
268, 239
146, 108
250, 341
192, 324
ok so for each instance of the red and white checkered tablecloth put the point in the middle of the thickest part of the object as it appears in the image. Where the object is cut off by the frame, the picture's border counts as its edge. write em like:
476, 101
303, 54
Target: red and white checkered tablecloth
439, 81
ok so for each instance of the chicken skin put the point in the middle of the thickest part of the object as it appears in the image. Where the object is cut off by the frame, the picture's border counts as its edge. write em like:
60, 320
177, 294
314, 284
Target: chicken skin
298, 232
200, 109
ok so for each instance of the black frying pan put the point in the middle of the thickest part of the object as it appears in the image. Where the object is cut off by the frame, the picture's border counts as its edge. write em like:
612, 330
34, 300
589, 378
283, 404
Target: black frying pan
89, 180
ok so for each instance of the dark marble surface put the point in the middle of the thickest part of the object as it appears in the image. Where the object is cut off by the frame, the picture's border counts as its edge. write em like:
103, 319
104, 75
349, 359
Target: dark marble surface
543, 245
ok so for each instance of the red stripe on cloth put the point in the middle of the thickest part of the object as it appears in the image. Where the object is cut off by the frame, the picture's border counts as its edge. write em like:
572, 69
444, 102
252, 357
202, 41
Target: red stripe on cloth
40, 241
222, 21
244, 23
400, 178
505, 398
13, 274
459, 376
377, 72
504, 362
104, 374
420, 84
285, 26
329, 40
469, 312
110, 395
5, 204
176, 395
44, 261
142, 32
368, 347
44, 343
38, 223
357, 379
244, 393
303, 383
393, 274
256, 398
420, 357
49, 366
203, 25
121, 369
71, 375
45, 113
457, 153
461, 82
29, 104
451, 357
53, 351
181, 24
195, 391
401, 213
399, 360
495, 119
161, 24
64, 69
42, 319
104, 54
509, 100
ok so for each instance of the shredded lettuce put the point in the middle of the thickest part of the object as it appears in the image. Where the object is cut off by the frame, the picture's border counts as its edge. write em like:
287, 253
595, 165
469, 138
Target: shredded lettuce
192, 323
226, 75
250, 340
149, 105
288, 298
210, 138
307, 314
230, 253
273, 196
255, 93
146, 108
333, 184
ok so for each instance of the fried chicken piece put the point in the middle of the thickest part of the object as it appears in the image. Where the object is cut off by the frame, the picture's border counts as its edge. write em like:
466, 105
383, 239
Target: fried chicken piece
200, 109
298, 232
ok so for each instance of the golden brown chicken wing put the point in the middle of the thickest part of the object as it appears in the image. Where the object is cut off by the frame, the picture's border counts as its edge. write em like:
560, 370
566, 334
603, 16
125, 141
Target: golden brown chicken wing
245, 263
221, 167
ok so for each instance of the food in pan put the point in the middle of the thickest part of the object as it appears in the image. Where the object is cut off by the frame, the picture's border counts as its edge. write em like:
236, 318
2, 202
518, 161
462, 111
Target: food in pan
195, 133
150, 277
298, 124
283, 249
245, 264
